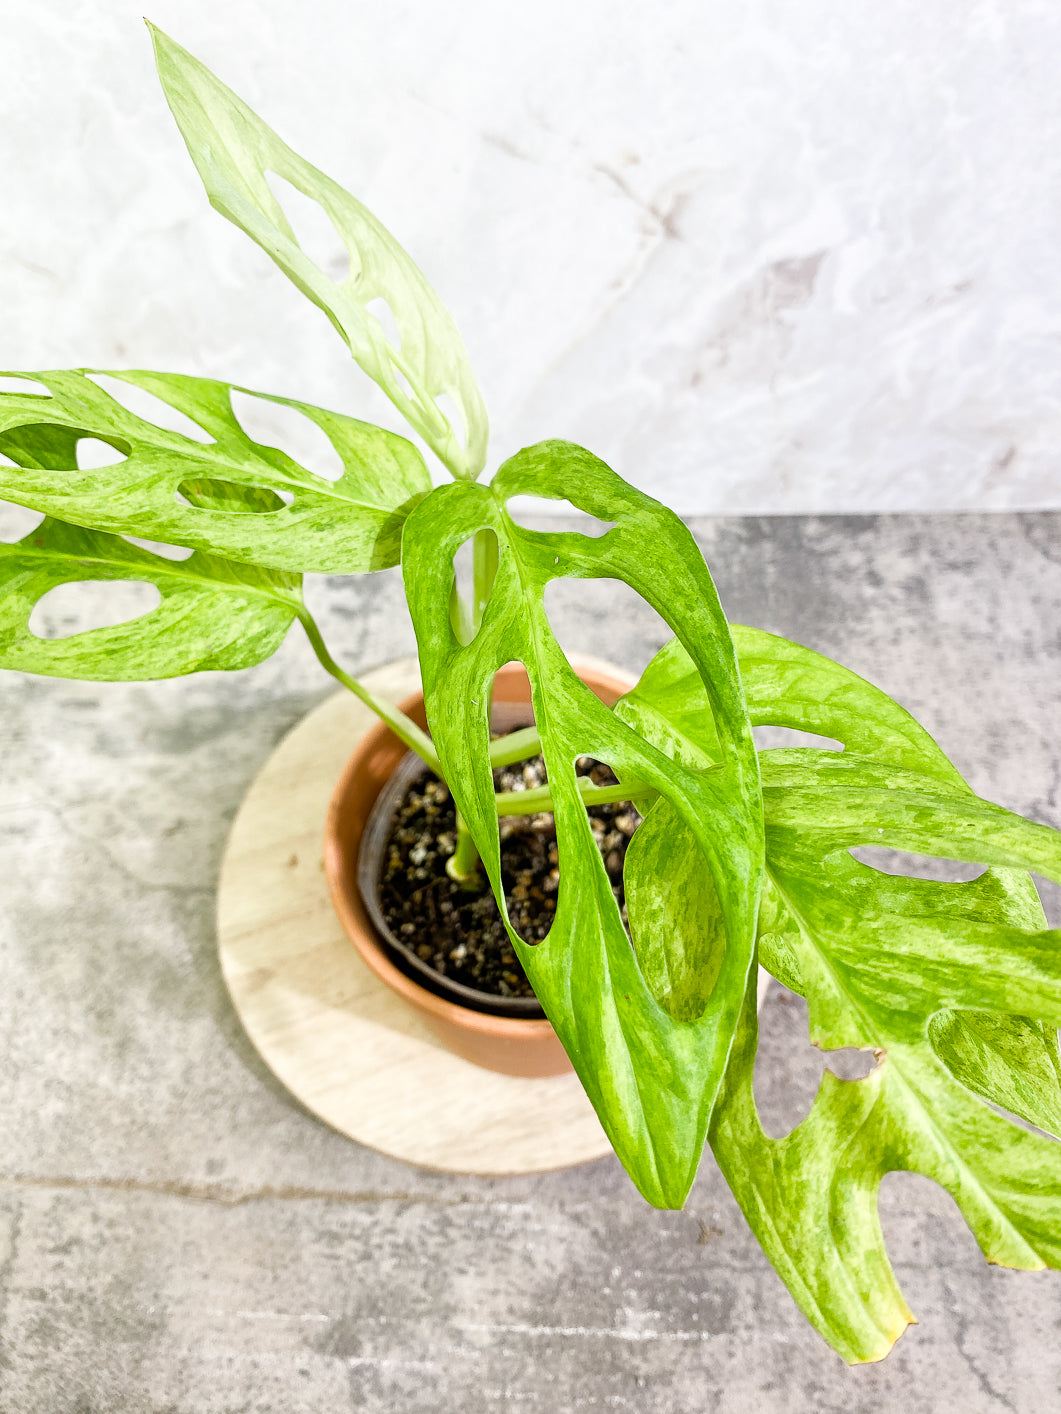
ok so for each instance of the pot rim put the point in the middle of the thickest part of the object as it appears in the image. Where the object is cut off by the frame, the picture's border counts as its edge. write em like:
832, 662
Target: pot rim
369, 863
341, 874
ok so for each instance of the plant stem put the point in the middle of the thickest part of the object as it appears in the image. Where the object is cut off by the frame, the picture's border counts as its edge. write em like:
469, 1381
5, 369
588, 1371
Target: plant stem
538, 799
463, 865
484, 568
506, 750
516, 746
403, 727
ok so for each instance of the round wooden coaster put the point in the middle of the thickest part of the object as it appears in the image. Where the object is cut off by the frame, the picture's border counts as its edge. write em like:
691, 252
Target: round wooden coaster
328, 1030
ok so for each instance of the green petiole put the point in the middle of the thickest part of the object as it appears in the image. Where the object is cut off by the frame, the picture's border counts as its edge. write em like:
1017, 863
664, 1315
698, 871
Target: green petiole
516, 746
463, 865
403, 727
538, 799
504, 751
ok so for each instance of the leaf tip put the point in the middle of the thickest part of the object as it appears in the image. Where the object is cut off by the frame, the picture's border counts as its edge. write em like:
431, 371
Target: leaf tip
888, 1341
164, 47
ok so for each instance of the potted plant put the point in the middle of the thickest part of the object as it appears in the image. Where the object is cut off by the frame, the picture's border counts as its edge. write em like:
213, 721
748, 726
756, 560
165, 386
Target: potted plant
741, 856
399, 861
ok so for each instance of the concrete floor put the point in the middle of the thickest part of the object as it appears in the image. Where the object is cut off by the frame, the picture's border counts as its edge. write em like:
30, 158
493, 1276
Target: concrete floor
178, 1235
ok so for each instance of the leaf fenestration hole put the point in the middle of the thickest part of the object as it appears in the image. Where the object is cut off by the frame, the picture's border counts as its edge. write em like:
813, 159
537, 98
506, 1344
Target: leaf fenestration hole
156, 547
465, 613
450, 410
385, 315
530, 861
789, 1070
231, 497
287, 430
404, 386
1050, 898
52, 445
315, 232
13, 383
541, 513
605, 618
462, 612
82, 605
613, 825
769, 738
530, 866
150, 408
905, 864
16, 522
93, 454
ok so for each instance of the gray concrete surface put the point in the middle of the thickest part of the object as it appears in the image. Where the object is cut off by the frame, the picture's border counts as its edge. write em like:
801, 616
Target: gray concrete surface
178, 1236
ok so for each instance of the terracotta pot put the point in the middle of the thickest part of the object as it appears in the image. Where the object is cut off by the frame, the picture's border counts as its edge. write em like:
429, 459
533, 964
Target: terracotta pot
504, 717
511, 1044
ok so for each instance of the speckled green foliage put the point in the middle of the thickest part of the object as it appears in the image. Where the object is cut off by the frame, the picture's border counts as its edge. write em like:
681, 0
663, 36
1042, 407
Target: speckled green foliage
212, 613
234, 151
957, 987
651, 1074
742, 856
309, 523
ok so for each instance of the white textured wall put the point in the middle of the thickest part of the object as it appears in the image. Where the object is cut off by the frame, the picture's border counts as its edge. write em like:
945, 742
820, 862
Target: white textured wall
761, 255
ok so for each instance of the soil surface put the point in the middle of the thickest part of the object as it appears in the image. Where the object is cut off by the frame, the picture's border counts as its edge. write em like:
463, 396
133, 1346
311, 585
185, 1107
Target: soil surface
458, 931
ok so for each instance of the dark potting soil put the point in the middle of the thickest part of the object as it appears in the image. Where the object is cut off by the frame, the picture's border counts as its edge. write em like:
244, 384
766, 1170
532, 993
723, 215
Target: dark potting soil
458, 931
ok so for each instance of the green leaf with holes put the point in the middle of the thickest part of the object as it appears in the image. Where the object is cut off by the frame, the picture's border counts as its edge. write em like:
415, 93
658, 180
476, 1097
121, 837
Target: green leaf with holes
791, 686
650, 1046
233, 151
211, 613
956, 986
904, 947
301, 521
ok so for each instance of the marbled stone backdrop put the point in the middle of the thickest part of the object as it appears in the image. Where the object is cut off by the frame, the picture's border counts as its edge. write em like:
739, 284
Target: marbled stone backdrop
762, 255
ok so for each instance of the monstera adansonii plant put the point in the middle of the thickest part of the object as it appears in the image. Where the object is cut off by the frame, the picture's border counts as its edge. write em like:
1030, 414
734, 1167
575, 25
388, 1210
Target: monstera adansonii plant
743, 856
